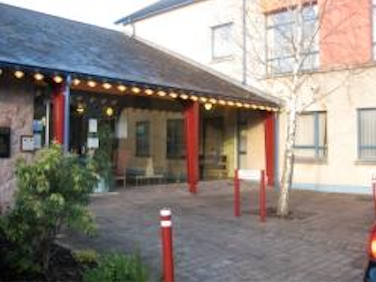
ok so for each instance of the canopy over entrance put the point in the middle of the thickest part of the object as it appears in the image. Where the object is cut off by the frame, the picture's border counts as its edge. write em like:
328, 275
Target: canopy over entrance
71, 56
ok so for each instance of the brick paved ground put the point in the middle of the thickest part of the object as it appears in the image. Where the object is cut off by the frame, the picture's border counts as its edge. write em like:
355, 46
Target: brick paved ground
324, 243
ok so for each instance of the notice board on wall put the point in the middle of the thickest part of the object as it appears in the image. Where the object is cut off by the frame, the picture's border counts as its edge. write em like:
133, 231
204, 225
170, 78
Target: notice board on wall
4, 142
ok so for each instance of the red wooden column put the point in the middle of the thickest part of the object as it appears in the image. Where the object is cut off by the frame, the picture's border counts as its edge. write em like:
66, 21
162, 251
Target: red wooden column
191, 129
269, 125
58, 113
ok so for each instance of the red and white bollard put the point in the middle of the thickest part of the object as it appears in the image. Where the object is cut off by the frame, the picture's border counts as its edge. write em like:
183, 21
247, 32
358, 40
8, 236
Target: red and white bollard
236, 194
262, 204
167, 249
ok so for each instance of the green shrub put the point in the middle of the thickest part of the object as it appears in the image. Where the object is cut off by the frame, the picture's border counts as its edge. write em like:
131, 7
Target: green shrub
53, 191
115, 267
85, 256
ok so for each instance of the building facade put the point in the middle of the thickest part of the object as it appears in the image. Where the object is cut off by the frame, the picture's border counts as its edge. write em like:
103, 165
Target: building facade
161, 118
255, 42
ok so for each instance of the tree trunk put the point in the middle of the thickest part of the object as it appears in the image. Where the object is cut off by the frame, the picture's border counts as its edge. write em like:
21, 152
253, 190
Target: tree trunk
288, 164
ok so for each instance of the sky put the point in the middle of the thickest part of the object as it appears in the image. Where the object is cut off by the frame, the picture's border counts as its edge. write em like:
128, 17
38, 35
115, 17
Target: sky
98, 12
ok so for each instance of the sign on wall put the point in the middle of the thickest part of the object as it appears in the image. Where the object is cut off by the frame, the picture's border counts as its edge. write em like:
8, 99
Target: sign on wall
27, 143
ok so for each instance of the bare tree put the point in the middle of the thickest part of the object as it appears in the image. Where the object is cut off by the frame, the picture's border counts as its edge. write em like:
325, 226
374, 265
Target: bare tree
288, 50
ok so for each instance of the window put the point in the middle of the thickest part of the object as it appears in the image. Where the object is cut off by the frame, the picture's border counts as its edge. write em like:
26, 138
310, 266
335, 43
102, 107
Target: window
242, 139
175, 138
282, 32
311, 138
221, 41
142, 138
367, 134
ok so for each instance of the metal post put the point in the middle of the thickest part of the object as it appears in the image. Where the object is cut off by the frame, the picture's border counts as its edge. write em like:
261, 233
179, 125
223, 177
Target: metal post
236, 194
67, 113
167, 248
262, 204
47, 131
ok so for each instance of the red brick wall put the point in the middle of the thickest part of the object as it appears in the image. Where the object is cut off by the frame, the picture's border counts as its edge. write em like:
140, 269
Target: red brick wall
346, 32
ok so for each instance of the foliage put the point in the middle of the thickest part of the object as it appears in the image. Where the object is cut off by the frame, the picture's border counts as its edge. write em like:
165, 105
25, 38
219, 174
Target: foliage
115, 267
85, 256
53, 191
102, 156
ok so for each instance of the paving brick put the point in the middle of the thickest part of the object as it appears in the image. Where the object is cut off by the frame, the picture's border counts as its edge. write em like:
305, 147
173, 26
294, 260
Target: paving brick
324, 243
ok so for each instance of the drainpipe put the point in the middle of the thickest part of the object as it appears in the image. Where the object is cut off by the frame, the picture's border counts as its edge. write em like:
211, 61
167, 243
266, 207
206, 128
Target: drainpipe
67, 113
48, 114
244, 45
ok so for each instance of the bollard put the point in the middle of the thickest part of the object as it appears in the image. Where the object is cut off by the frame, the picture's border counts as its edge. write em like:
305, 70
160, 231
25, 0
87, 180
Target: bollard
236, 194
167, 248
262, 204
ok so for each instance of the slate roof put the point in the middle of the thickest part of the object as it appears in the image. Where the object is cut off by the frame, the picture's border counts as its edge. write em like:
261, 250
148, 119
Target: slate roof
154, 9
41, 41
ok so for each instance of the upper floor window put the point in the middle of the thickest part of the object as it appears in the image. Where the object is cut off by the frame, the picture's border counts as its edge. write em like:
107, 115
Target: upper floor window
175, 138
282, 40
142, 138
367, 134
222, 41
311, 136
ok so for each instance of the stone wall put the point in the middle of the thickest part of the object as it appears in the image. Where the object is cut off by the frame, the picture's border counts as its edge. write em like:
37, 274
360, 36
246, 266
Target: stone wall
16, 112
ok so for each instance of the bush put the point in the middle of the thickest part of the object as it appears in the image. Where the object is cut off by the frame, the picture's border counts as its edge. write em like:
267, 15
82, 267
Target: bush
53, 191
115, 267
85, 256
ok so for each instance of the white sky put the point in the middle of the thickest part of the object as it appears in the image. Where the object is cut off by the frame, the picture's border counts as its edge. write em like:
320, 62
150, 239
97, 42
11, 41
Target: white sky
98, 12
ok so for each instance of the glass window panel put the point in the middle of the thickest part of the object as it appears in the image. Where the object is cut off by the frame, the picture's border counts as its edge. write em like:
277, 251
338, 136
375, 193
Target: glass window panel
367, 132
311, 135
142, 138
243, 161
309, 13
222, 41
281, 36
304, 153
281, 18
175, 138
322, 138
305, 135
311, 61
243, 139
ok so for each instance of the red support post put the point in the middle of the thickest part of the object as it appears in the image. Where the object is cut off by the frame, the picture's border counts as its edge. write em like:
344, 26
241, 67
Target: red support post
262, 204
236, 194
191, 128
167, 248
270, 146
58, 113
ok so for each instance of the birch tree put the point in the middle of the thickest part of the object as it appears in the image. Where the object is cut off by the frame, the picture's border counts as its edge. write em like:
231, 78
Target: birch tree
285, 55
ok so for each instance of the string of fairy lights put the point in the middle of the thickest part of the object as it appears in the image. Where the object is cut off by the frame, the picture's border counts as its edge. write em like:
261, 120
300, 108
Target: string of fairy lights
208, 102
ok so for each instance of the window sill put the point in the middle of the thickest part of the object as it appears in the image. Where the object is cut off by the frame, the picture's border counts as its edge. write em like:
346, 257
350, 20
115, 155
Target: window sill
222, 59
365, 162
311, 161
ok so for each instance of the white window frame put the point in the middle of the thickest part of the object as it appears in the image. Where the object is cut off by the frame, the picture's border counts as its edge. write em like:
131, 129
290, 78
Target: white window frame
286, 61
214, 41
361, 145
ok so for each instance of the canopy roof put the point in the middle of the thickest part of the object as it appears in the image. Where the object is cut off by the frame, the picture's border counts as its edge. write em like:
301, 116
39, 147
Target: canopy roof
44, 42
